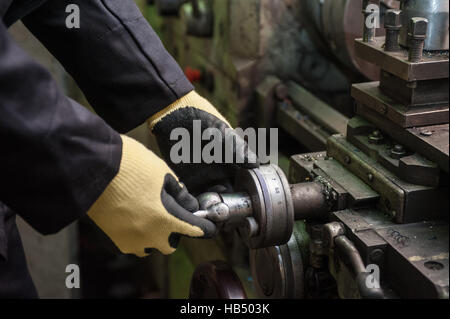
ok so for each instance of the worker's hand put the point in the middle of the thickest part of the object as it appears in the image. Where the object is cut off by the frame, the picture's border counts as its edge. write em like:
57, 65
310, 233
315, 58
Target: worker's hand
145, 206
200, 176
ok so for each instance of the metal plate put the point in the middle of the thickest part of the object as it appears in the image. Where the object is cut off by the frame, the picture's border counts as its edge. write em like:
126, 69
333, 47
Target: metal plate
434, 147
370, 96
404, 201
412, 257
433, 66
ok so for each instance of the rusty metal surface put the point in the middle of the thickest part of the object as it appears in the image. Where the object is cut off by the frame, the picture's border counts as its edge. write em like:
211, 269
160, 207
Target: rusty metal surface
310, 201
360, 194
426, 93
406, 163
403, 201
319, 111
301, 127
413, 258
432, 141
301, 166
433, 66
419, 252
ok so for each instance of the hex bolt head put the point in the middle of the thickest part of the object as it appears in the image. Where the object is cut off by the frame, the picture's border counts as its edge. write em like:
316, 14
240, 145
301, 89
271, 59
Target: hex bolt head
392, 24
418, 27
417, 32
398, 151
392, 19
376, 137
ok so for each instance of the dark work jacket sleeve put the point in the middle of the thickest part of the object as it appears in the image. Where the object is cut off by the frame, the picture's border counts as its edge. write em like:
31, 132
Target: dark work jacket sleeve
115, 57
56, 157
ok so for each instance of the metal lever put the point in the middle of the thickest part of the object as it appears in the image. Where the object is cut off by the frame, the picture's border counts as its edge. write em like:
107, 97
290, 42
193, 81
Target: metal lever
225, 208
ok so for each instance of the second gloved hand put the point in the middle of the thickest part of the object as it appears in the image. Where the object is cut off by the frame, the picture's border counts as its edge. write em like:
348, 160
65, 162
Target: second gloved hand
145, 206
200, 176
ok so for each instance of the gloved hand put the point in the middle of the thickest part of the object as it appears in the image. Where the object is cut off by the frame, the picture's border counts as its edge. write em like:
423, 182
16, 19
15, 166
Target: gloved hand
200, 177
145, 206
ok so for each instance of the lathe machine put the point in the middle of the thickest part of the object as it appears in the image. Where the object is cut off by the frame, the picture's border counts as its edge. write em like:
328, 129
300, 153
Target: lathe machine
364, 214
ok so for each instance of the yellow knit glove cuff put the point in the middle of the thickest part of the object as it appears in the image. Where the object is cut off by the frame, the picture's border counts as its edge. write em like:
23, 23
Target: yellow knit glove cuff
130, 210
192, 99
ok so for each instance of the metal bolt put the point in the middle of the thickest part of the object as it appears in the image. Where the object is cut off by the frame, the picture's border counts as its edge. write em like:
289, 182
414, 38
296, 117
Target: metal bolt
398, 151
417, 32
393, 25
370, 177
376, 255
376, 137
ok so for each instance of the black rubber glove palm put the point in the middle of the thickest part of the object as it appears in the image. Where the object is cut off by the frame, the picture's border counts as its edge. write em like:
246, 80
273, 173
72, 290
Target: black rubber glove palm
201, 176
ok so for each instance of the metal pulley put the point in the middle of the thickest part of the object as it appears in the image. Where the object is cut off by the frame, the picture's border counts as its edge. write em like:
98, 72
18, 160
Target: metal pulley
278, 271
265, 206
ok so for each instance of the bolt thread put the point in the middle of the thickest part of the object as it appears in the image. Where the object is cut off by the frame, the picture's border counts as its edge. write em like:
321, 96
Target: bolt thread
415, 49
392, 40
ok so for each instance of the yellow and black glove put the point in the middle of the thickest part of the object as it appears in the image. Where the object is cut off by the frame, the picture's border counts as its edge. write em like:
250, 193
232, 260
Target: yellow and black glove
200, 177
145, 206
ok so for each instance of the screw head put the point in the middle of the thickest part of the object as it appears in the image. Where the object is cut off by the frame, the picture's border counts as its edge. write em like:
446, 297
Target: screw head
398, 151
418, 27
392, 19
377, 255
376, 137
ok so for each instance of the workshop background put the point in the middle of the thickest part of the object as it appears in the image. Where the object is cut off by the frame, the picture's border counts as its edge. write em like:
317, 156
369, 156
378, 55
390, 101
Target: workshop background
263, 63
